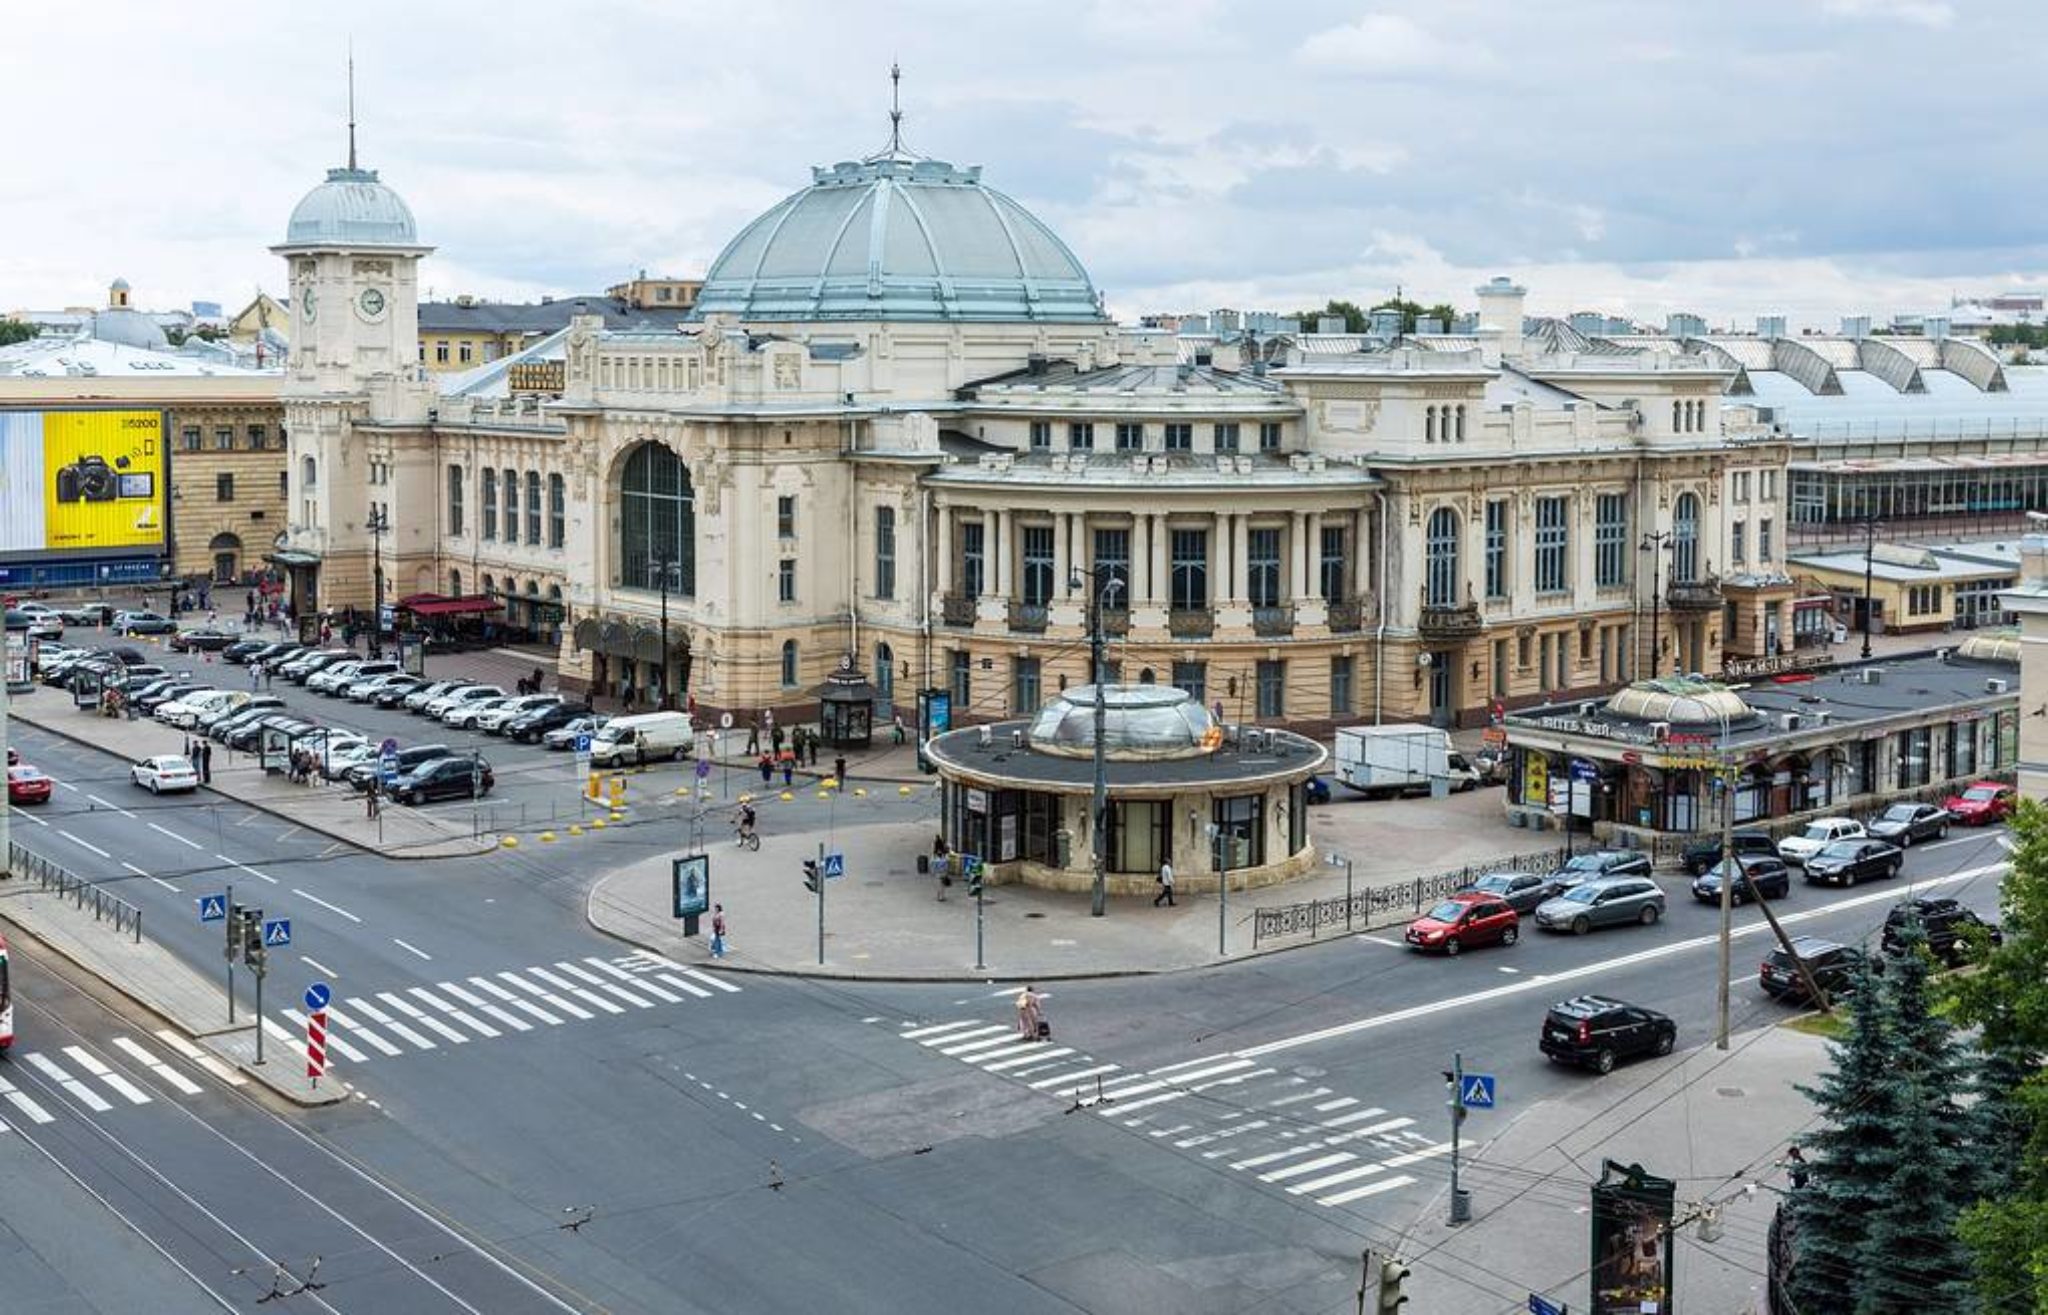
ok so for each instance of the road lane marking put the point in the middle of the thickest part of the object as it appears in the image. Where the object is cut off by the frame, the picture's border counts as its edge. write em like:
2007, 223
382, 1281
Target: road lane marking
486, 984
689, 987
1037, 1055
334, 1042
193, 1054
361, 1033
937, 1029
1650, 955
698, 974
68, 786
1074, 1075
22, 1101
588, 997
83, 844
29, 817
164, 1072
413, 948
164, 830
317, 966
331, 908
116, 807
52, 1070
1371, 1189
158, 880
92, 1064
481, 1005
1311, 1166
554, 1001
419, 1016
602, 985
237, 863
667, 997
389, 1023
468, 1020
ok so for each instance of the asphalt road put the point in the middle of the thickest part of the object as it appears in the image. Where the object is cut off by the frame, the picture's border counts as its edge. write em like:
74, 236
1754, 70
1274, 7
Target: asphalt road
654, 1136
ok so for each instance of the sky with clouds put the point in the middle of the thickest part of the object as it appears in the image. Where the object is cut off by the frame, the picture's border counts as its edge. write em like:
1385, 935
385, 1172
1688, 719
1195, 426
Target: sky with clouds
1805, 157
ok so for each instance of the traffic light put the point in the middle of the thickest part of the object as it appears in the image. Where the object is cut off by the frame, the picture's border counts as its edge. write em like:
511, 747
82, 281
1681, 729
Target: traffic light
811, 875
1392, 1275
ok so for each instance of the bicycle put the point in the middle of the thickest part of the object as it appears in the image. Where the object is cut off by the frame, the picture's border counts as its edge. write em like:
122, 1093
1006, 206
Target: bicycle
748, 839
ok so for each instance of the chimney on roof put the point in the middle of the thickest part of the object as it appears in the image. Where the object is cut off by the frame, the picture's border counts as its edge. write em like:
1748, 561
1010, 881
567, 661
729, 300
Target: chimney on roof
1500, 313
1035, 363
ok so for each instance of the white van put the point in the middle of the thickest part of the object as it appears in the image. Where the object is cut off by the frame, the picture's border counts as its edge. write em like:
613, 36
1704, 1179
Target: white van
641, 739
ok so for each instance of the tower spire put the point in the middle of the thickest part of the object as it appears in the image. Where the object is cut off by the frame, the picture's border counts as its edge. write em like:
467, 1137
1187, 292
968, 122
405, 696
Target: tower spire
351, 104
895, 108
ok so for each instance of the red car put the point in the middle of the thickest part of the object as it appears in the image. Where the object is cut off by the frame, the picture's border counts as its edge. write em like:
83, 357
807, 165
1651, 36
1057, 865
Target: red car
27, 785
1983, 803
1469, 917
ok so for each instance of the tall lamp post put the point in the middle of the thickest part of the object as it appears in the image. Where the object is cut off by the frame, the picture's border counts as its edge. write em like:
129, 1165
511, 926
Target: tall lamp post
662, 568
1106, 581
376, 525
1869, 553
1655, 543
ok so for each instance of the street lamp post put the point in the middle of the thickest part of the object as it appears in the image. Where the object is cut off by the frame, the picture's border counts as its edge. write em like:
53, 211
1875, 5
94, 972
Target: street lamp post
1729, 868
1655, 543
376, 525
1869, 552
662, 566
1105, 580
1341, 861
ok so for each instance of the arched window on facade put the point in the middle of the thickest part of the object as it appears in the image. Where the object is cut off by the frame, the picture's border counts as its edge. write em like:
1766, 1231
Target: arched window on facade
455, 584
1677, 418
789, 664
1461, 423
1685, 539
533, 507
558, 511
885, 674
226, 549
309, 473
1440, 561
657, 522
1429, 424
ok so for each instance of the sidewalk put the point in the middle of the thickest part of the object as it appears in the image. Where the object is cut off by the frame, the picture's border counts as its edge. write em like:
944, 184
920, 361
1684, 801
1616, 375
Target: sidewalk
1716, 1122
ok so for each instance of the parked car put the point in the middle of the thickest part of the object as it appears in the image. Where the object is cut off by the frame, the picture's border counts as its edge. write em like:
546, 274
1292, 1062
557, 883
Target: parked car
249, 734
308, 665
418, 700
344, 685
167, 771
81, 615
531, 726
1902, 824
1982, 803
392, 692
1847, 862
494, 719
439, 708
263, 705
1602, 863
27, 785
153, 694
463, 715
1522, 891
214, 716
185, 711
1594, 1031
181, 708
360, 776
202, 639
1818, 835
1701, 854
272, 656
1609, 903
566, 735
642, 738
1757, 875
242, 650
443, 778
1949, 925
1832, 967
363, 689
339, 762
335, 675
143, 623
1467, 918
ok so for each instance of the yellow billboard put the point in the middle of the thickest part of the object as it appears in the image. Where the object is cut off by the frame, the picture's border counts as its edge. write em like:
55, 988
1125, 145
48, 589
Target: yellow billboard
103, 479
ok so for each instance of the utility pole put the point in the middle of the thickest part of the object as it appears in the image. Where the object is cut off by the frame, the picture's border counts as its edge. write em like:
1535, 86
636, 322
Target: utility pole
820, 869
1655, 542
1869, 551
1461, 1200
234, 929
1098, 809
1730, 869
376, 525
662, 566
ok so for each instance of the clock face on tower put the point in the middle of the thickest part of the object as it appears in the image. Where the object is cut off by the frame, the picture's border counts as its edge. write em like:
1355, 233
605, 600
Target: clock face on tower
309, 300
371, 302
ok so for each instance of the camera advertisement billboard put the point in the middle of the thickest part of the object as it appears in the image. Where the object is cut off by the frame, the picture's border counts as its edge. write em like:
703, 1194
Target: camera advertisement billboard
81, 480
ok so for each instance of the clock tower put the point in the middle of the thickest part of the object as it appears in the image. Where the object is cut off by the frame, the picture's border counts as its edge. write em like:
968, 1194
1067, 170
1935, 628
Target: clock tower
353, 387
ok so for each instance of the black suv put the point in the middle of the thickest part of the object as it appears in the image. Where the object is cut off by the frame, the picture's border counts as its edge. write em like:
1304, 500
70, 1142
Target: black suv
1703, 853
1603, 863
360, 775
1947, 923
443, 778
1593, 1031
1767, 877
1832, 966
528, 727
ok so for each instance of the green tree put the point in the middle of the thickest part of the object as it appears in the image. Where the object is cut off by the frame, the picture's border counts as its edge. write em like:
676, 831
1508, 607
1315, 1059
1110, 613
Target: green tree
13, 331
1348, 311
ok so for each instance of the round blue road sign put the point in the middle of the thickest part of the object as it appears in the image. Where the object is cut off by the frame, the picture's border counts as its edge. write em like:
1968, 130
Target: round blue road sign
387, 748
703, 768
317, 996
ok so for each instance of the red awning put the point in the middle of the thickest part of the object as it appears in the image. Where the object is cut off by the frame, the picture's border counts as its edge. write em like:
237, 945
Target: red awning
454, 606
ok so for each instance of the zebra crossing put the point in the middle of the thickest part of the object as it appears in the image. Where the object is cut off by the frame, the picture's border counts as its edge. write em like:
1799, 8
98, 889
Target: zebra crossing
101, 1087
1285, 1130
492, 1006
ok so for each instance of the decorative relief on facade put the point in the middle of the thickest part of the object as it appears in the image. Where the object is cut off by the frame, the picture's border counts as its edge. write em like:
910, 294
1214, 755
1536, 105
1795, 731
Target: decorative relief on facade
373, 269
786, 371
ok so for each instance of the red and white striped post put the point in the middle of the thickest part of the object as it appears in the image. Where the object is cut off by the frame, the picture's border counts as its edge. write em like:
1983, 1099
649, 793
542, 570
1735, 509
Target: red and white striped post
316, 1045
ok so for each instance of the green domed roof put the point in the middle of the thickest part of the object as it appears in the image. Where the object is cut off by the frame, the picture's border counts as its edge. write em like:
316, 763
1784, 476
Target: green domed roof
351, 209
897, 238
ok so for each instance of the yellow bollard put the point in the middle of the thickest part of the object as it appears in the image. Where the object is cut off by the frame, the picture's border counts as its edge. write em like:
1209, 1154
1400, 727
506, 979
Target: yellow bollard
903, 790
547, 837
618, 817
575, 829
830, 783
785, 796
593, 789
597, 824
682, 792
509, 842
860, 792
746, 798
618, 800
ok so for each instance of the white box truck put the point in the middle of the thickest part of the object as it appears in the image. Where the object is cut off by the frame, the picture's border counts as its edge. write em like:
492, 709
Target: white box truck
1404, 759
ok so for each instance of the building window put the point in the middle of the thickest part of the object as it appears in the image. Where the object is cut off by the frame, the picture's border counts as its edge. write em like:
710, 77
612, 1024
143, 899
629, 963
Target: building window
1025, 689
1552, 542
1334, 566
224, 486
258, 437
490, 503
785, 517
1041, 434
1240, 840
1461, 423
1741, 478
1112, 563
1081, 436
1767, 485
1500, 668
962, 682
1130, 437
785, 580
789, 668
1341, 696
455, 499
1440, 559
1763, 541
533, 507
1272, 677
1914, 749
190, 435
224, 439
1497, 549
1226, 436
284, 483
973, 559
657, 521
1180, 438
1269, 436
1190, 570
1738, 542
511, 506
1685, 539
1262, 559
1037, 561
1610, 540
885, 552
441, 352
558, 511
1429, 424
1192, 677
463, 351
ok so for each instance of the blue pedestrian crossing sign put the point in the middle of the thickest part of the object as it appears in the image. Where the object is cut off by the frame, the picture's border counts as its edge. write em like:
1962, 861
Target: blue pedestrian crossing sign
277, 932
835, 865
213, 908
317, 996
1475, 1091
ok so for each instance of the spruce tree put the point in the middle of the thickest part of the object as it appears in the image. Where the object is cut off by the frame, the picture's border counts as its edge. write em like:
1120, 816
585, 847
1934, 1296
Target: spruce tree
1848, 1159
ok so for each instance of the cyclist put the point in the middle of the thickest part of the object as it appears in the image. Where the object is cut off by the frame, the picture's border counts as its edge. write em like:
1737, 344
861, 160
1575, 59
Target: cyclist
746, 823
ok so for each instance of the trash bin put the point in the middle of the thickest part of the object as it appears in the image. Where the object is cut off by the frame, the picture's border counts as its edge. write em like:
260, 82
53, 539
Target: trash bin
924, 865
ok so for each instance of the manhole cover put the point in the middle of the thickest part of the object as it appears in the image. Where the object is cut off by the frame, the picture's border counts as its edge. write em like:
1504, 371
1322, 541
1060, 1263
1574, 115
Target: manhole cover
1737, 1092
1034, 915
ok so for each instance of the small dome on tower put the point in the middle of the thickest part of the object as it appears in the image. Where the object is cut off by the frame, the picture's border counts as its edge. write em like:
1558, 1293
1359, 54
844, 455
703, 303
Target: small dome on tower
352, 209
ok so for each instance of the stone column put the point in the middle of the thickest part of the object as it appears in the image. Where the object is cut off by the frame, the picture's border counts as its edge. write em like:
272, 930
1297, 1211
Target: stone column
944, 548
1310, 608
992, 609
1069, 610
999, 545
1158, 581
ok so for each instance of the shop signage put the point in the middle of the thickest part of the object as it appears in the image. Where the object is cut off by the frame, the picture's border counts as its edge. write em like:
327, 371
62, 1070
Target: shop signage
1749, 668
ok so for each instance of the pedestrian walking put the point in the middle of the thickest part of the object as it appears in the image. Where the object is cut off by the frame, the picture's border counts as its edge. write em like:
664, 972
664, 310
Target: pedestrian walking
718, 931
371, 798
775, 738
626, 699
767, 766
788, 763
205, 763
1165, 895
839, 770
1031, 1024
754, 734
811, 739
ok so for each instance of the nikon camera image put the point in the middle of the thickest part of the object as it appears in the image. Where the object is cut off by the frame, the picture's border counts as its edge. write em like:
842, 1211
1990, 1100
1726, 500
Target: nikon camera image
88, 479
72, 480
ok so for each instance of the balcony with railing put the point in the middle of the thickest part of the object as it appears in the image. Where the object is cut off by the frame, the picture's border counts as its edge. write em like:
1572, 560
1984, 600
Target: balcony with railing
1191, 622
1116, 621
1346, 616
1273, 622
1449, 624
1028, 618
956, 610
1694, 595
